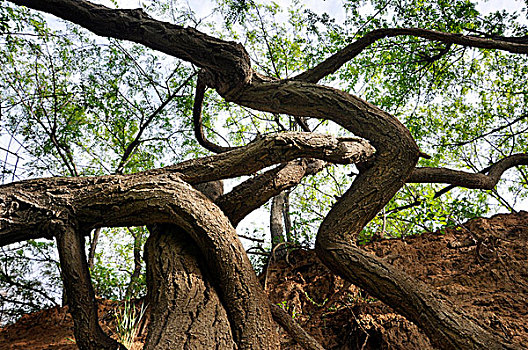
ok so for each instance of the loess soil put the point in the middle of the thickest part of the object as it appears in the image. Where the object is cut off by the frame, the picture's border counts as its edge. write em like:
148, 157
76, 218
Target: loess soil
482, 265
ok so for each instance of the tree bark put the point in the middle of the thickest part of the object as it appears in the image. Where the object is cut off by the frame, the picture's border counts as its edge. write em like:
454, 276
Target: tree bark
27, 207
79, 290
256, 191
227, 68
278, 238
93, 247
136, 273
186, 312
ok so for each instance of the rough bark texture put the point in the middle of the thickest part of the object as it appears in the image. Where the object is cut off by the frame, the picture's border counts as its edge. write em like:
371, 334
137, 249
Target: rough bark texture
28, 208
334, 62
198, 122
278, 238
186, 312
486, 180
93, 247
80, 294
161, 196
126, 200
242, 200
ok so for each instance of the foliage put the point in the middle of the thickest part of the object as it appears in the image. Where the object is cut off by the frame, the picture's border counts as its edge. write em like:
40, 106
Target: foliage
29, 279
72, 104
112, 270
454, 100
128, 322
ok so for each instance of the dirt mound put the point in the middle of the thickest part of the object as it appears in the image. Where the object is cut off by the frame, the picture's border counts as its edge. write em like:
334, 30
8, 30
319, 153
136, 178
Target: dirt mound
46, 329
53, 329
337, 314
482, 265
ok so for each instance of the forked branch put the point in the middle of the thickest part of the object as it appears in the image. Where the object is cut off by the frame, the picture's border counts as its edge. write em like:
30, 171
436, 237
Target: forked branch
26, 207
333, 63
255, 192
162, 196
486, 180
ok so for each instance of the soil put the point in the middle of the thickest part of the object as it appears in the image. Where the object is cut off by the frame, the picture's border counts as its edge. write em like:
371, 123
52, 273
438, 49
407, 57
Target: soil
482, 265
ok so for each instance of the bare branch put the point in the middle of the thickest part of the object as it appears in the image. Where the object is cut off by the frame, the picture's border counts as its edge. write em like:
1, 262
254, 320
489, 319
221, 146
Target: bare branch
93, 246
270, 150
255, 192
333, 63
161, 197
499, 128
446, 189
198, 122
48, 205
79, 291
137, 140
228, 60
469, 180
294, 330
29, 208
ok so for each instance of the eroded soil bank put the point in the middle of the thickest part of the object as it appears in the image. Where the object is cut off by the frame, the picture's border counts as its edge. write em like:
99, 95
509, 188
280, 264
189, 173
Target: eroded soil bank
482, 265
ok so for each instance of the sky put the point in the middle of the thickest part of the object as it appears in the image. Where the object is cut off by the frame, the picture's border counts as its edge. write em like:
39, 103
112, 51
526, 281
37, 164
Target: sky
334, 7
260, 218
203, 9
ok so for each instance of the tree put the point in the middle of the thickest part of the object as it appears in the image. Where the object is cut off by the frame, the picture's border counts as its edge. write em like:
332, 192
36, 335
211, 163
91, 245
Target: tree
193, 234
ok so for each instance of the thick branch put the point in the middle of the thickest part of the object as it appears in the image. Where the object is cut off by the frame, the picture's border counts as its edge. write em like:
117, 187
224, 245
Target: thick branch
358, 116
396, 156
27, 207
455, 178
134, 201
485, 181
228, 71
415, 300
186, 311
93, 246
79, 290
333, 63
227, 61
255, 192
278, 238
270, 150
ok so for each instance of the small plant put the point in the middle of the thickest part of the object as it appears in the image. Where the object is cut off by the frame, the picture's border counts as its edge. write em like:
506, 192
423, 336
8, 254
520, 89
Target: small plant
128, 321
284, 305
315, 302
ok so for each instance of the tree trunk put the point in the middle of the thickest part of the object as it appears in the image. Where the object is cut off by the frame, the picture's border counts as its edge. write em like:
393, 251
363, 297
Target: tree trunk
186, 312
226, 67
93, 246
136, 273
278, 239
79, 290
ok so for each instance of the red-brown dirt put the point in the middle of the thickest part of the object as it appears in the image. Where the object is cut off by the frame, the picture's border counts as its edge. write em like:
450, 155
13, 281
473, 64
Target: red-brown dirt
53, 329
482, 265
